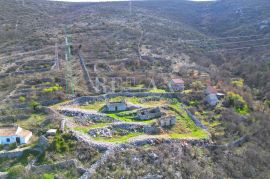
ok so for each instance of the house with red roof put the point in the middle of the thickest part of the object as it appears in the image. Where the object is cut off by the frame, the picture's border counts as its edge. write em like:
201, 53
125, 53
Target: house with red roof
210, 90
177, 84
211, 95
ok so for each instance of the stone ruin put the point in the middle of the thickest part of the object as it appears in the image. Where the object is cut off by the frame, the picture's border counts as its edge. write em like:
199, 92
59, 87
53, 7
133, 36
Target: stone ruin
115, 106
103, 132
167, 121
148, 113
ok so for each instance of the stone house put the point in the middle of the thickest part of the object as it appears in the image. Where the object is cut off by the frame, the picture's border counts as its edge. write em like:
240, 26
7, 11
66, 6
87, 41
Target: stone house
211, 95
115, 106
177, 84
12, 134
148, 113
212, 99
167, 121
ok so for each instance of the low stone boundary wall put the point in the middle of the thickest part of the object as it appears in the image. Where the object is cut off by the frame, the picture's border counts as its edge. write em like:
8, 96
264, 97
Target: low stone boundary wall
109, 130
235, 143
194, 119
13, 153
139, 142
60, 165
101, 146
85, 99
128, 126
87, 114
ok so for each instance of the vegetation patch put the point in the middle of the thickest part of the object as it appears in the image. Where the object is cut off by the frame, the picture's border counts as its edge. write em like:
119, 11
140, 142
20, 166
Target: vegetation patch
237, 102
32, 122
119, 138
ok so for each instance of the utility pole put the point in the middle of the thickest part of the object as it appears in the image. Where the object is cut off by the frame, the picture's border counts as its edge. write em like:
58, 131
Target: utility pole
16, 26
68, 68
57, 57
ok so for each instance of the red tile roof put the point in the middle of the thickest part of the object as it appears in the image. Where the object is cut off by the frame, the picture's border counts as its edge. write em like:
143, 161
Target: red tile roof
178, 81
13, 131
211, 89
8, 131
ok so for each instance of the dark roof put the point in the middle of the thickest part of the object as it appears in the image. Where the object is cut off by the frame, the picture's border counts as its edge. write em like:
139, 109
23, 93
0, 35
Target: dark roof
116, 102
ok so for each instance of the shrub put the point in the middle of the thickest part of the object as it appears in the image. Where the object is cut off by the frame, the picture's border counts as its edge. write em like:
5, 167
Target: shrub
197, 85
62, 143
267, 102
238, 82
21, 99
56, 87
237, 102
16, 171
47, 176
34, 105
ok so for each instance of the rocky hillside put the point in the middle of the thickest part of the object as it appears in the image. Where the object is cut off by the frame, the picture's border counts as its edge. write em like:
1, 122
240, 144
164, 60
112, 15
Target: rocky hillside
227, 42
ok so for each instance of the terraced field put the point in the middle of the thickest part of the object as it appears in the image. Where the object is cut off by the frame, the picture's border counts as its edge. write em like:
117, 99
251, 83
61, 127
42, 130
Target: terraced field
124, 126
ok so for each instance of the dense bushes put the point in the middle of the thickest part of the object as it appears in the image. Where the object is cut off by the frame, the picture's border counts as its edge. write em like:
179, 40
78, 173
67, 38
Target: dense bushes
236, 101
51, 89
16, 171
62, 143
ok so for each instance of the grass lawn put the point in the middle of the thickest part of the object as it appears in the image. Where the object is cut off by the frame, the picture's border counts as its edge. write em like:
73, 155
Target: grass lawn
93, 106
198, 134
242, 111
119, 139
32, 121
156, 90
85, 129
128, 118
185, 127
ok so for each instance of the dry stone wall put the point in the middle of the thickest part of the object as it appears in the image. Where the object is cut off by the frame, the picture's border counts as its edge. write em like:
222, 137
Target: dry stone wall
91, 115
85, 99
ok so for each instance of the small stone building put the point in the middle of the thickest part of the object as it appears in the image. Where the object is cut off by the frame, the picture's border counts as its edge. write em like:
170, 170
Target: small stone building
177, 84
115, 106
51, 132
212, 99
211, 95
148, 113
12, 134
167, 121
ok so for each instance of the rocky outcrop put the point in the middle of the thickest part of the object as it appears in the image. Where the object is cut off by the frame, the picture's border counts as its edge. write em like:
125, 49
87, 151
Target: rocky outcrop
3, 175
109, 130
103, 132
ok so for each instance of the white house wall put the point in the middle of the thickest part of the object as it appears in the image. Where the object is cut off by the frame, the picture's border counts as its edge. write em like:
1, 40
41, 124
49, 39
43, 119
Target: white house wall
3, 139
